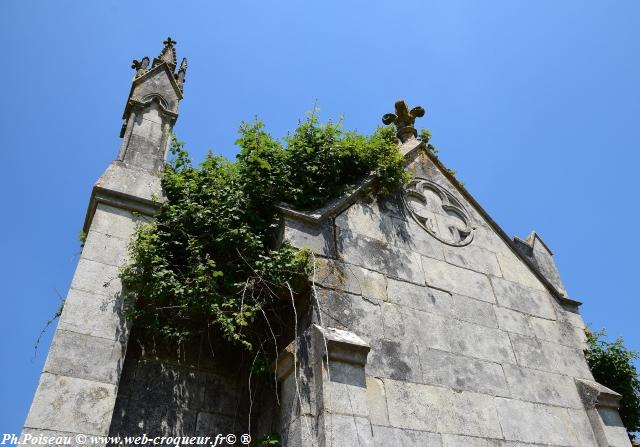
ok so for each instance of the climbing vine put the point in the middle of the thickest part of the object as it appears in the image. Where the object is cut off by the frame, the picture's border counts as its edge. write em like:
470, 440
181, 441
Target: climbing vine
612, 365
209, 264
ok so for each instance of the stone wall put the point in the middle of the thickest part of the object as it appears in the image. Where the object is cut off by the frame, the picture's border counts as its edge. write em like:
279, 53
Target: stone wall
468, 347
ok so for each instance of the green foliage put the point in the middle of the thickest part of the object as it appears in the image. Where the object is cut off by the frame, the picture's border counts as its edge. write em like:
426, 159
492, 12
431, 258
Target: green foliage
82, 237
425, 137
270, 439
208, 264
612, 365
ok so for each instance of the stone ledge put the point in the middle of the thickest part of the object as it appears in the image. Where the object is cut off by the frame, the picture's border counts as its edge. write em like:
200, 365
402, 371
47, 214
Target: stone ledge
595, 395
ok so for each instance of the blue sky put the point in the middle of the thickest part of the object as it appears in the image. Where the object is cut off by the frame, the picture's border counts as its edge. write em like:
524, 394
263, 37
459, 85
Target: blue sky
534, 103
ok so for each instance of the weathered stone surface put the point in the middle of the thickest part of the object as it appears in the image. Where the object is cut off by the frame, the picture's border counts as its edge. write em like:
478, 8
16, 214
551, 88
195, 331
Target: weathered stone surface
537, 354
524, 299
424, 407
347, 430
419, 297
582, 427
115, 221
376, 255
105, 249
535, 423
131, 181
473, 257
107, 315
394, 359
68, 356
317, 238
72, 405
377, 401
341, 397
414, 406
457, 280
614, 430
338, 275
98, 278
541, 387
470, 414
480, 342
515, 270
461, 373
351, 312
513, 321
390, 436
474, 311
430, 330
163, 384
559, 332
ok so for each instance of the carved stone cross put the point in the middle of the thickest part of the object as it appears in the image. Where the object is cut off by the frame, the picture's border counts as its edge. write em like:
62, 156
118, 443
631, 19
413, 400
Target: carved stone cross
404, 120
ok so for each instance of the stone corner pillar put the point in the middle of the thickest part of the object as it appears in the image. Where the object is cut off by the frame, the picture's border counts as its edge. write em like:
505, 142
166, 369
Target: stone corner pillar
77, 390
323, 389
602, 406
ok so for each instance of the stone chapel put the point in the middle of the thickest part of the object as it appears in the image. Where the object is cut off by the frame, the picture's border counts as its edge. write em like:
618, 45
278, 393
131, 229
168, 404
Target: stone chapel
428, 325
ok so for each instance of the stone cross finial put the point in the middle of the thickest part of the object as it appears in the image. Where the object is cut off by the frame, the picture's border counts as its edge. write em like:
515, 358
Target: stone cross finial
404, 120
167, 55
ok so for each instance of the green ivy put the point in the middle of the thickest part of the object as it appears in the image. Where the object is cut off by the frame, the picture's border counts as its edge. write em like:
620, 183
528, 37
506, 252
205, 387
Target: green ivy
612, 366
209, 262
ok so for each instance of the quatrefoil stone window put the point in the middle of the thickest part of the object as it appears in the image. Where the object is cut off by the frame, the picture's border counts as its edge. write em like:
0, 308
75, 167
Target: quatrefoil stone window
438, 212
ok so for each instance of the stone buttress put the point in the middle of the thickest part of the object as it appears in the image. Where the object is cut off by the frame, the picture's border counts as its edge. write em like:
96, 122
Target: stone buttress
77, 390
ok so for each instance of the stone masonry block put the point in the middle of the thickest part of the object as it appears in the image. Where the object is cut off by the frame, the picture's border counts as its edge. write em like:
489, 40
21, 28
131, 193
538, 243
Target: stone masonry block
524, 299
514, 269
98, 278
481, 342
105, 249
69, 356
461, 373
513, 321
369, 221
115, 221
414, 406
390, 436
419, 297
317, 238
375, 255
473, 258
377, 401
71, 404
394, 359
542, 387
424, 407
538, 354
582, 427
468, 413
341, 397
458, 280
430, 330
535, 423
107, 315
351, 312
347, 430
474, 311
334, 274
559, 332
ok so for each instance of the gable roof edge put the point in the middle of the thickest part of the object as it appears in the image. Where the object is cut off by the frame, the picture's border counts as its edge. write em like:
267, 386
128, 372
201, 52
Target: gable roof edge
503, 235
